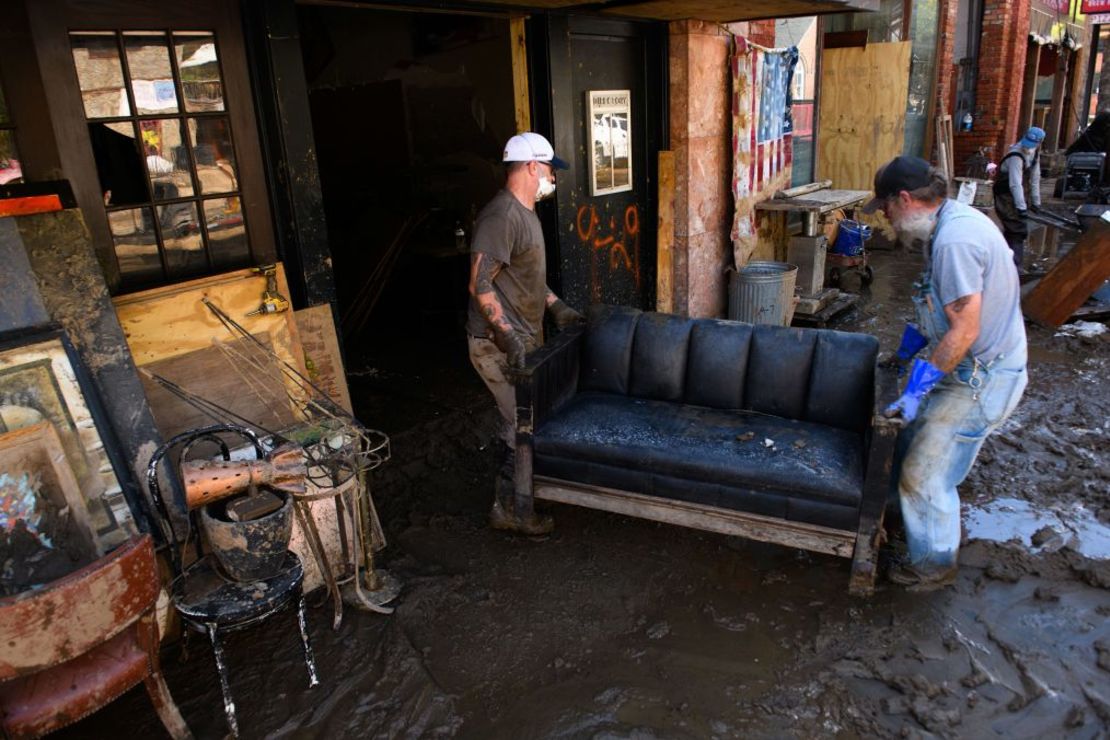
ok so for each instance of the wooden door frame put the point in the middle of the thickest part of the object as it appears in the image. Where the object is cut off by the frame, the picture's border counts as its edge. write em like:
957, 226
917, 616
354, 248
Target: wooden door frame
50, 23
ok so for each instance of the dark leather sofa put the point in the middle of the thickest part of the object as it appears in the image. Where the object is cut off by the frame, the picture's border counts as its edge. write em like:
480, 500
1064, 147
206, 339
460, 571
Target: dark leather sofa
766, 432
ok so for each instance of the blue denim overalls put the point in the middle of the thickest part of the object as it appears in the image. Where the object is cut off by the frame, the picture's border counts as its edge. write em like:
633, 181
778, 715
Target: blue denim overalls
936, 451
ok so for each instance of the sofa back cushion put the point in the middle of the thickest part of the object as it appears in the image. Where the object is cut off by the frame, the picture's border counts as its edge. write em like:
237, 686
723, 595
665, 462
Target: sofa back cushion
814, 375
658, 369
717, 363
607, 349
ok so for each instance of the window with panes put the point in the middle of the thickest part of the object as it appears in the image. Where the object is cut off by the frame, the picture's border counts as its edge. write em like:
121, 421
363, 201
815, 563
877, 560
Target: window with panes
164, 152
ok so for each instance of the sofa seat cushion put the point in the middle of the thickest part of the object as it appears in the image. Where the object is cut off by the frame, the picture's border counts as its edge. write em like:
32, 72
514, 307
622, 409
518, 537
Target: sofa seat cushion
711, 446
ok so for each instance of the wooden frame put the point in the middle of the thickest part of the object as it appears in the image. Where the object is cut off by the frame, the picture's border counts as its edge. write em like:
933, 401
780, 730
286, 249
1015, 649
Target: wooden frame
550, 378
51, 21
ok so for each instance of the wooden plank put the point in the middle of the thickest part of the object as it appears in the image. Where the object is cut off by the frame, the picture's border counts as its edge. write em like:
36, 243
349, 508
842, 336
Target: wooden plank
803, 189
664, 271
172, 321
322, 357
1069, 284
522, 106
821, 201
862, 119
698, 516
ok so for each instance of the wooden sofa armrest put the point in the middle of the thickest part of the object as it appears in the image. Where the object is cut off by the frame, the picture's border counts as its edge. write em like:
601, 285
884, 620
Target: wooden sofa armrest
882, 437
548, 379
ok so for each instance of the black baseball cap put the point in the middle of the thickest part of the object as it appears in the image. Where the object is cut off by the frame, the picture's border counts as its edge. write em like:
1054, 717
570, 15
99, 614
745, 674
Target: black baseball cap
900, 173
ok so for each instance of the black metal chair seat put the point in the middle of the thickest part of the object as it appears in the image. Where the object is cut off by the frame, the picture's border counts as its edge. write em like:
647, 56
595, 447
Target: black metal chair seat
207, 601
203, 596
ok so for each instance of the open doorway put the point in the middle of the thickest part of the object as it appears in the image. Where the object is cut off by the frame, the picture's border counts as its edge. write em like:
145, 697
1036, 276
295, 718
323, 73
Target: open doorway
410, 112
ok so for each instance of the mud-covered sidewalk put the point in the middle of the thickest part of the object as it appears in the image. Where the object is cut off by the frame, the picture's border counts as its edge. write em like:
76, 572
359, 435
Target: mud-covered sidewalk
618, 628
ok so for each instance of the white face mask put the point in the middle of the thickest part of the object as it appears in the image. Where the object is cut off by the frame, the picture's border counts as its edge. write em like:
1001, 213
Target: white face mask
546, 188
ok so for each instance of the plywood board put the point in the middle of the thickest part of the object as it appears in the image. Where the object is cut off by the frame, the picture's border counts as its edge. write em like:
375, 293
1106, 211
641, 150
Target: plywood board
173, 321
1071, 282
522, 107
216, 374
322, 357
664, 270
862, 122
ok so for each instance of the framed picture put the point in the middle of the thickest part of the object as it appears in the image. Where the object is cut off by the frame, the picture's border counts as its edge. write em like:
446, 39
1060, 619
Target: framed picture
42, 381
609, 114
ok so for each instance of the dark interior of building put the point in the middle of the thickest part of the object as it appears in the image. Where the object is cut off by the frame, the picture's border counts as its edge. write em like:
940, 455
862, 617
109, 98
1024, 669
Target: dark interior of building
410, 111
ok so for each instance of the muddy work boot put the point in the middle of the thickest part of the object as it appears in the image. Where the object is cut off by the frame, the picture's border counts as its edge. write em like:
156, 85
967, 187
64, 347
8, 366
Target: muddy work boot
503, 515
919, 581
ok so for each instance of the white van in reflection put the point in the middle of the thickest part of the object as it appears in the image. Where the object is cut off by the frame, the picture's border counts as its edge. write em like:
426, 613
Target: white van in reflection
611, 135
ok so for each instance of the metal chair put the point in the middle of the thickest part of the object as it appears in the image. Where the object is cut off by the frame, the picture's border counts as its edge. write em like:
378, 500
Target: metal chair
80, 642
206, 600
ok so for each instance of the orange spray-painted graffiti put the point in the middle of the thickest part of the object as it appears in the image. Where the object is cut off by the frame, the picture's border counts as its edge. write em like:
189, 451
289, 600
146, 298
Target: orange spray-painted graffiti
620, 241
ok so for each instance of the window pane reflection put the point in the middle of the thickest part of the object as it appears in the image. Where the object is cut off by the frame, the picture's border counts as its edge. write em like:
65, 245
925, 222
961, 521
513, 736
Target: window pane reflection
99, 74
211, 139
166, 158
200, 71
227, 235
182, 239
148, 63
136, 245
119, 163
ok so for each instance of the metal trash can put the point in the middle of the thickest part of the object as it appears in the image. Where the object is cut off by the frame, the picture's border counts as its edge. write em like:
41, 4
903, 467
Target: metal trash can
762, 292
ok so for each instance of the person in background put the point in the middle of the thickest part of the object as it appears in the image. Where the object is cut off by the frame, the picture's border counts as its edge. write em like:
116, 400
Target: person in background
968, 311
1017, 190
508, 298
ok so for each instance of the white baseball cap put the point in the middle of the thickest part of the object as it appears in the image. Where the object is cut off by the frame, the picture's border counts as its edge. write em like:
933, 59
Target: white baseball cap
531, 147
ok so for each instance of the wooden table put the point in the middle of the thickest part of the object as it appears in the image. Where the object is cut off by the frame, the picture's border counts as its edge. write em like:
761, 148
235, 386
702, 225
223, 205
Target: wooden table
812, 205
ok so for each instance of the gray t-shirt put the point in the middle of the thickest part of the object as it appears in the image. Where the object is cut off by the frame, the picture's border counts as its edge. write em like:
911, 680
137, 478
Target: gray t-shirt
969, 256
511, 234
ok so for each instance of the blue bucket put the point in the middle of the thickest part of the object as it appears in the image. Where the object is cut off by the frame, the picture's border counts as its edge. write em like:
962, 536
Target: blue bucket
851, 237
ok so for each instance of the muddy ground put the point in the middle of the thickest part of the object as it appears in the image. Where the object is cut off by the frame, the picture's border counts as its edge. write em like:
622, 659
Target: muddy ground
618, 628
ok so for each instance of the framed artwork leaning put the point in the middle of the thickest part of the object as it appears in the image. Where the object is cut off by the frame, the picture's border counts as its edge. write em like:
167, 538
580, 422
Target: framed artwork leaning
43, 381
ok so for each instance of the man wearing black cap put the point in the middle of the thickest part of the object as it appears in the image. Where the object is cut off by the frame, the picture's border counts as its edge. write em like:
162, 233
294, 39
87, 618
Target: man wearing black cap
508, 297
968, 312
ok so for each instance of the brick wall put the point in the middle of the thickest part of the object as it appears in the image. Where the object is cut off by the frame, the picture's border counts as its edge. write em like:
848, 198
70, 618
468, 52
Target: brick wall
947, 69
998, 91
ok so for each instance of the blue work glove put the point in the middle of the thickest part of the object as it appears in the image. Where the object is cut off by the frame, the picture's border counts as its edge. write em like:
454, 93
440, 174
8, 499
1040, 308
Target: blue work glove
923, 377
913, 341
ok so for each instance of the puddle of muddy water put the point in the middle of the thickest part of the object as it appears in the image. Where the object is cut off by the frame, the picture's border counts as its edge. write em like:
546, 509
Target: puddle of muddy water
1009, 519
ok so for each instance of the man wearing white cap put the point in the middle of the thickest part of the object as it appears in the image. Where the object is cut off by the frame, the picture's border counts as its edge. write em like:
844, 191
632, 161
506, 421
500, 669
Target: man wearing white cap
508, 298
1017, 190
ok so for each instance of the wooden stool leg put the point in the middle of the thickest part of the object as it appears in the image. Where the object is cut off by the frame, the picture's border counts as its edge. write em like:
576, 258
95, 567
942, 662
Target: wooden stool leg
225, 686
166, 707
308, 659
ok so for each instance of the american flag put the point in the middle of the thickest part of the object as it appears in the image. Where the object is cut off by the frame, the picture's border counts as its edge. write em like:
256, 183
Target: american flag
762, 129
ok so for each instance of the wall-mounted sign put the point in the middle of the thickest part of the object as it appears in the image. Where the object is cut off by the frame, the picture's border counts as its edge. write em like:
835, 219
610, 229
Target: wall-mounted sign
609, 118
1095, 6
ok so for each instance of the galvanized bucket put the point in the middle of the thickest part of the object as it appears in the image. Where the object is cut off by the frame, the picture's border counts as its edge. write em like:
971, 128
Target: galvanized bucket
762, 292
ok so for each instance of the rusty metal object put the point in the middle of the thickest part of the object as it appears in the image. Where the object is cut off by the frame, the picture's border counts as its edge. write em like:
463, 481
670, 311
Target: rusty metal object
81, 641
207, 481
252, 550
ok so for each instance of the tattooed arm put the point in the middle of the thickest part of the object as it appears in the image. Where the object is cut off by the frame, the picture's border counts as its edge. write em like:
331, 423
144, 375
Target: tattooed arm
483, 269
963, 329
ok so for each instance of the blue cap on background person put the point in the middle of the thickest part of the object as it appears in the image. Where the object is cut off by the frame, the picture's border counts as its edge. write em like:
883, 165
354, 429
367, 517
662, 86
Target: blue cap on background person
1033, 138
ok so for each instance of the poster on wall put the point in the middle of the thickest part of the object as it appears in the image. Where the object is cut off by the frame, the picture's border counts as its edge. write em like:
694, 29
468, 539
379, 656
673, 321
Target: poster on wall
609, 115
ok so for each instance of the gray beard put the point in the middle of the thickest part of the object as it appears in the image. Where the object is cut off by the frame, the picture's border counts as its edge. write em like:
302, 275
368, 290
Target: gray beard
914, 232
